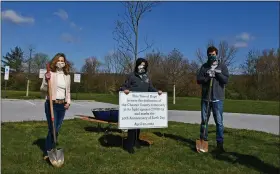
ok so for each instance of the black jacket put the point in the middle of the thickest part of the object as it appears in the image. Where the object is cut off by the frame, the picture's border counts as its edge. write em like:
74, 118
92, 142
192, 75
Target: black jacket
219, 82
138, 82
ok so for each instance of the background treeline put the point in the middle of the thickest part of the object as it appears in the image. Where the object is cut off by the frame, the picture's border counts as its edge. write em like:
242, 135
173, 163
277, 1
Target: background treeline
257, 78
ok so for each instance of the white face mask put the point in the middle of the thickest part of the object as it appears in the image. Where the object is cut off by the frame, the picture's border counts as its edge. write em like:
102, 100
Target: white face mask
141, 69
60, 65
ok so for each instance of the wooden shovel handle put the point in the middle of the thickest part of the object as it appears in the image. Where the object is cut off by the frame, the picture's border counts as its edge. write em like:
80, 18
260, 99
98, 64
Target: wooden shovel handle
51, 103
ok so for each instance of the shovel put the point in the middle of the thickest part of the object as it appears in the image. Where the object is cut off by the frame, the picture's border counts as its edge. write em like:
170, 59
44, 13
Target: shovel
56, 156
201, 145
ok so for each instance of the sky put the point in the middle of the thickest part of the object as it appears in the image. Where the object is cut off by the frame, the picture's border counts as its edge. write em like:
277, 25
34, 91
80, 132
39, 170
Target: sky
85, 29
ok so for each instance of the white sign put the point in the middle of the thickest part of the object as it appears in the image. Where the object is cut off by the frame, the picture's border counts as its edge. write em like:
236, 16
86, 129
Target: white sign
42, 72
7, 70
142, 110
77, 78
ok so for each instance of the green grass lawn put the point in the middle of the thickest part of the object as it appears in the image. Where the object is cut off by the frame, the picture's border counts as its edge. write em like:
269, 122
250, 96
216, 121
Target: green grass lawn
182, 103
86, 152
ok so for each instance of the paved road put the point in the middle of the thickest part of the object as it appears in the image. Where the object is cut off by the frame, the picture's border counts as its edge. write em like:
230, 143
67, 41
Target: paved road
24, 110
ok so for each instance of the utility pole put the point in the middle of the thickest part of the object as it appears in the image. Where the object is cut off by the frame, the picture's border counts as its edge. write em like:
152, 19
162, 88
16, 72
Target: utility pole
29, 70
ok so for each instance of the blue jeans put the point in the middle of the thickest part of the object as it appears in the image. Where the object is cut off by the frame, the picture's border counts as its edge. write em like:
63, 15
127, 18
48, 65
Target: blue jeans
59, 113
217, 109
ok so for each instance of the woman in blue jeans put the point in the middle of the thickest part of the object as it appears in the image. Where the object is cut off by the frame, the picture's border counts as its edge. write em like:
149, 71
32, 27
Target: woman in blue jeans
60, 81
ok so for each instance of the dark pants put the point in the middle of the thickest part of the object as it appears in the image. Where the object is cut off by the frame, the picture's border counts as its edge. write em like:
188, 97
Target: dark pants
59, 113
132, 137
217, 109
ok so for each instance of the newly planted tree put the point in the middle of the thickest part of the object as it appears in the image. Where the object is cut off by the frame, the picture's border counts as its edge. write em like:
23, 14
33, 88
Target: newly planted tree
127, 31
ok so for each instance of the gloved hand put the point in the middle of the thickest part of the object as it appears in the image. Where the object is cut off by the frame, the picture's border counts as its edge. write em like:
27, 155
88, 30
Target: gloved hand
218, 71
211, 73
47, 76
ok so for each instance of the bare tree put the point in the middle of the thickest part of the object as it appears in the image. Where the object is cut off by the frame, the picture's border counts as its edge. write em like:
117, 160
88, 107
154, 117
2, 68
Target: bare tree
249, 67
91, 66
72, 66
29, 60
268, 75
127, 30
28, 55
108, 64
114, 62
155, 60
226, 53
38, 62
90, 71
175, 66
115, 66
261, 70
193, 67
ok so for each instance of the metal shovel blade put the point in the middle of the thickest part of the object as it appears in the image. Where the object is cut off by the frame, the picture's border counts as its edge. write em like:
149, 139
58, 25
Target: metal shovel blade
56, 157
198, 145
201, 146
204, 146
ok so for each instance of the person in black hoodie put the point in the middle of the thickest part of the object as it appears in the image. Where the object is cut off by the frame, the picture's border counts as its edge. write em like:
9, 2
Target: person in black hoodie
137, 81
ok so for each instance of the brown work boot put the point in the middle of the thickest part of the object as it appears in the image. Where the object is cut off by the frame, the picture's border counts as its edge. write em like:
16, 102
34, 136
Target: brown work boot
45, 157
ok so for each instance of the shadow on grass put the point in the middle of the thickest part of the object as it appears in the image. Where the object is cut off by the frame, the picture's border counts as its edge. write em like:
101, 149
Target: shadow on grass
214, 132
101, 129
111, 140
246, 160
236, 135
190, 142
40, 143
108, 139
230, 157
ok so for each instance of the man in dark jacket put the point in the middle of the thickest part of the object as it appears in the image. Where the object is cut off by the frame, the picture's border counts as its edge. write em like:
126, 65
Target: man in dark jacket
219, 72
137, 81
